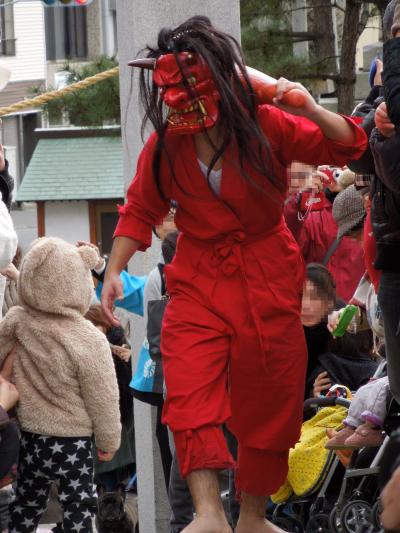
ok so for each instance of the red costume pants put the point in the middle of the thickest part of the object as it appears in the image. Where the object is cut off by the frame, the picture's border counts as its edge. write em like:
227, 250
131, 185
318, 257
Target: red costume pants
234, 351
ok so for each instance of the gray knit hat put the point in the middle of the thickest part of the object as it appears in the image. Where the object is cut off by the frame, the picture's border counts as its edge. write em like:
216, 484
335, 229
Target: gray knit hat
348, 210
387, 20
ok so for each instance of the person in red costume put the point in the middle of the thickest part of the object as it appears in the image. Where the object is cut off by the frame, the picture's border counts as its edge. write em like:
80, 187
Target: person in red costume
232, 341
316, 231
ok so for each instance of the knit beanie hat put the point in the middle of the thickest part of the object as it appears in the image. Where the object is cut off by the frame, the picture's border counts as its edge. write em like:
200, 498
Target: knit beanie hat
387, 20
348, 210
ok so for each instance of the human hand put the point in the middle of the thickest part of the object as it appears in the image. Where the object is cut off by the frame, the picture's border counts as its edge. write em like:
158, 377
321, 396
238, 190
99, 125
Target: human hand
8, 394
390, 516
383, 122
322, 383
333, 320
2, 159
318, 181
11, 272
282, 87
105, 456
378, 73
112, 290
7, 367
101, 260
396, 21
123, 352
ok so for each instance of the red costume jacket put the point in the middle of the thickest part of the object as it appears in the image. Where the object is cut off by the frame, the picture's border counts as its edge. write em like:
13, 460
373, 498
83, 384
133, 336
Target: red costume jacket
235, 285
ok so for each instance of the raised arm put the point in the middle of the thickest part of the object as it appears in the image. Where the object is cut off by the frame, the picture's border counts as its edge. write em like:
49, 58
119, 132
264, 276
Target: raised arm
332, 125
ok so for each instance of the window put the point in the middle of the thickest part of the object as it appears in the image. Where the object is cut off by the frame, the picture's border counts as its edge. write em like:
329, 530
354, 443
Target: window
66, 33
104, 221
7, 36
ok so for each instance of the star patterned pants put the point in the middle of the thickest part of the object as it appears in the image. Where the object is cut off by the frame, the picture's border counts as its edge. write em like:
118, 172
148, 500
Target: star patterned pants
65, 460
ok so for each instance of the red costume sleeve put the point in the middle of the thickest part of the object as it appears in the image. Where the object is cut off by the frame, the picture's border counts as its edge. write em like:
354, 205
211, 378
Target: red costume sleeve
144, 207
296, 138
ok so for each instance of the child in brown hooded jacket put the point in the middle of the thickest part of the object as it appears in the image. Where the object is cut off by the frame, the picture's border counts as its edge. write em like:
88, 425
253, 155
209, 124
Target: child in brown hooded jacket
64, 373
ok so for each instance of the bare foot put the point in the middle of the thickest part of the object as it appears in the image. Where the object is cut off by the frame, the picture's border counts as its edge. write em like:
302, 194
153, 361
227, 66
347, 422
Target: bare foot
256, 525
208, 524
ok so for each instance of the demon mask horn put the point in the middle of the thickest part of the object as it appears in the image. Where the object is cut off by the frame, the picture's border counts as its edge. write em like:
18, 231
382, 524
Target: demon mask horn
148, 63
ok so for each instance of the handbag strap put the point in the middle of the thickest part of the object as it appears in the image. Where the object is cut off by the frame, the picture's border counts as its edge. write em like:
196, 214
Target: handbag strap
331, 251
160, 267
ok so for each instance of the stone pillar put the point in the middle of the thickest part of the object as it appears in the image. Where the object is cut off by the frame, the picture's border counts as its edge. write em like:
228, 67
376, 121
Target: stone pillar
138, 23
299, 23
94, 30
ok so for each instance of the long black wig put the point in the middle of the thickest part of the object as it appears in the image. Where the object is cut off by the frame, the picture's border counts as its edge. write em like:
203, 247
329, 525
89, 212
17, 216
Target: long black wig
238, 108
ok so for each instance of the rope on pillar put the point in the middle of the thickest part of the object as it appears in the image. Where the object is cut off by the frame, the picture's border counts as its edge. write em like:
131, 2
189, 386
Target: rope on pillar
52, 95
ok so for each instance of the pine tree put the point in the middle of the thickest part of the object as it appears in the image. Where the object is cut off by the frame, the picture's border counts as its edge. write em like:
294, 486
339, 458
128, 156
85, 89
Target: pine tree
94, 106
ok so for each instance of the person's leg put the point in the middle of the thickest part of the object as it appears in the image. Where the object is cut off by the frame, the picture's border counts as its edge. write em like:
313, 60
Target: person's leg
9, 448
252, 516
195, 348
267, 376
32, 487
376, 410
389, 302
360, 403
180, 499
234, 506
259, 473
74, 471
163, 443
210, 515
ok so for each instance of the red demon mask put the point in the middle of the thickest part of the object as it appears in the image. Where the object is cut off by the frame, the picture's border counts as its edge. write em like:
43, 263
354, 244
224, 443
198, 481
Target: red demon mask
192, 98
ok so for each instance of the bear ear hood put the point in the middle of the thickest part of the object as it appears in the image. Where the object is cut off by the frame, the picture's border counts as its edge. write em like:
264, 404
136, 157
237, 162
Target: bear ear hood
55, 276
89, 256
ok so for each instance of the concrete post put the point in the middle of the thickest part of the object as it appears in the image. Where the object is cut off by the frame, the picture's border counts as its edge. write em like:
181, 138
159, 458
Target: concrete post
138, 22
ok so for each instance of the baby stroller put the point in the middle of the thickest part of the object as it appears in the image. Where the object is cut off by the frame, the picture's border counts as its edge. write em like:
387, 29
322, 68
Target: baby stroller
358, 507
314, 473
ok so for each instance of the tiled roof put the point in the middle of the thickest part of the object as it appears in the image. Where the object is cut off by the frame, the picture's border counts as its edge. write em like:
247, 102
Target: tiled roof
16, 91
77, 168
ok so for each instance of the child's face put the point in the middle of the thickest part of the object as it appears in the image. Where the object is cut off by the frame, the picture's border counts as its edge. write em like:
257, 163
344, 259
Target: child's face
167, 226
314, 307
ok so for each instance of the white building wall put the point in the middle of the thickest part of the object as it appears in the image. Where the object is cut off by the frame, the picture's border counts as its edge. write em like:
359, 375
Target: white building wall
67, 220
29, 63
371, 35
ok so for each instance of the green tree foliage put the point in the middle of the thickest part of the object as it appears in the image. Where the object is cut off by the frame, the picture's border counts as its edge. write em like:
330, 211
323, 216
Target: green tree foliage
93, 106
267, 39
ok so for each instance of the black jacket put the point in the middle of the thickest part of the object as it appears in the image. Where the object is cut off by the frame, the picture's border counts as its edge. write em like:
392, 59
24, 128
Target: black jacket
381, 161
348, 371
391, 79
366, 110
386, 200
